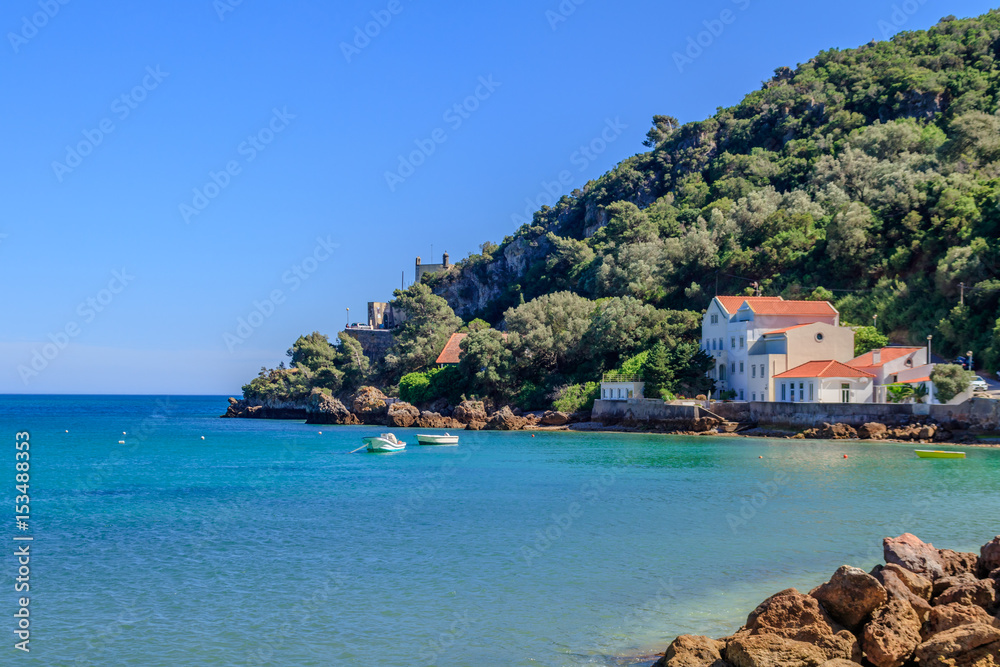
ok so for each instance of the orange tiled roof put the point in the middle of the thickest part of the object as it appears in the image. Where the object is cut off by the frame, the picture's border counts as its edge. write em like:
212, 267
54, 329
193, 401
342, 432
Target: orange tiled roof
786, 329
867, 360
452, 352
733, 303
915, 380
824, 369
810, 308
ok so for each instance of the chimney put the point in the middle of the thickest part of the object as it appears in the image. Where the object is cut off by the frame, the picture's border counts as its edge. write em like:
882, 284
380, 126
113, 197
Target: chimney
446, 260
418, 261
877, 357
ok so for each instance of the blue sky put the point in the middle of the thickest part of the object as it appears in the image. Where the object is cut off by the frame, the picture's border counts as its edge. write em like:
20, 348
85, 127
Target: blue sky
173, 167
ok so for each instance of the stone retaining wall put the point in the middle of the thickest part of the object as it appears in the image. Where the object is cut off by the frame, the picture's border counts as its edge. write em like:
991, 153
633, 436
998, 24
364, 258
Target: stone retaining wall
981, 412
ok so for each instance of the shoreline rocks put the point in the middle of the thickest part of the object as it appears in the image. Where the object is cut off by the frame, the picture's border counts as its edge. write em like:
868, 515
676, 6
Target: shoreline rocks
925, 607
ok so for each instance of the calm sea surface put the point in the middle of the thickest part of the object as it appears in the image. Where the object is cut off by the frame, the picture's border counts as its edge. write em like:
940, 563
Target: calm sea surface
267, 543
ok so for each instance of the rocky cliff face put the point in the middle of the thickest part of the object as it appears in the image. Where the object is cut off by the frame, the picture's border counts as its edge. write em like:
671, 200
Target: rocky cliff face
471, 288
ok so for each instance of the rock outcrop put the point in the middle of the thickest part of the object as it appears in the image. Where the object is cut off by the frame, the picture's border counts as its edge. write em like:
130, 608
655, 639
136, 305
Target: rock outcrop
926, 606
468, 412
323, 409
369, 405
504, 419
851, 596
402, 415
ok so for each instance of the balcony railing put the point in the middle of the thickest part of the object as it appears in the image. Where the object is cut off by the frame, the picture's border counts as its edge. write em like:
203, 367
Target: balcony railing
621, 377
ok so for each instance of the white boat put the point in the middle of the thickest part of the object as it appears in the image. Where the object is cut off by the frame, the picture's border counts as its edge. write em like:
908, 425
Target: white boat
446, 439
384, 443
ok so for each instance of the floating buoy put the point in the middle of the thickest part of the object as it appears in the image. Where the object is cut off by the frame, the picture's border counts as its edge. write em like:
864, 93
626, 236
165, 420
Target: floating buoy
123, 433
121, 442
760, 457
321, 432
845, 456
532, 435
202, 437
67, 430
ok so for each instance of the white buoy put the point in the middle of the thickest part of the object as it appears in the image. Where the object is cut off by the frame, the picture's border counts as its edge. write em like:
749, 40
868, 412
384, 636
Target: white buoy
202, 437
67, 430
321, 432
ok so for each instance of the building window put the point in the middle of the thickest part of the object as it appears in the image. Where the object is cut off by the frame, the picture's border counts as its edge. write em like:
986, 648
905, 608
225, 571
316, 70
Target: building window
713, 343
732, 367
604, 393
741, 342
783, 394
715, 319
845, 393
812, 396
741, 368
732, 342
763, 370
802, 391
753, 396
819, 338
753, 371
741, 395
629, 394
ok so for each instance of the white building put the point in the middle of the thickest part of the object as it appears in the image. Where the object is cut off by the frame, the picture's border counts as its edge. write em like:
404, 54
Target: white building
617, 387
889, 365
735, 324
824, 382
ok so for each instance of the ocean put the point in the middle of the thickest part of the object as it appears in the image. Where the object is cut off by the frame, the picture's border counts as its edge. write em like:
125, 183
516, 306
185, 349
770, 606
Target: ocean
163, 535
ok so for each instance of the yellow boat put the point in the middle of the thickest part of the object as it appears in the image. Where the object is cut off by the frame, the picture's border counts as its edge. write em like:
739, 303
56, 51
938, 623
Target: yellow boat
929, 454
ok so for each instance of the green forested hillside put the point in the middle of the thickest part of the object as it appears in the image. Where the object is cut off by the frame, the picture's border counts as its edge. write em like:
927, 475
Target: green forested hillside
872, 172
869, 176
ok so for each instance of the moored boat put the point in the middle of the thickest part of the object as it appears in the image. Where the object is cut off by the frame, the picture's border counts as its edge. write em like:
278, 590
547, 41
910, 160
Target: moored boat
384, 443
932, 454
446, 439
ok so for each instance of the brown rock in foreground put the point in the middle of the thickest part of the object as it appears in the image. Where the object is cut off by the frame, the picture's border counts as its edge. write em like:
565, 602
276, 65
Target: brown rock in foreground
958, 647
850, 596
927, 606
772, 651
989, 557
693, 651
470, 411
890, 638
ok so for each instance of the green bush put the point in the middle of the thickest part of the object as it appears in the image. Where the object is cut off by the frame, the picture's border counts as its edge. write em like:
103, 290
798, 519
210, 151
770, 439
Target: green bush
950, 380
415, 387
578, 397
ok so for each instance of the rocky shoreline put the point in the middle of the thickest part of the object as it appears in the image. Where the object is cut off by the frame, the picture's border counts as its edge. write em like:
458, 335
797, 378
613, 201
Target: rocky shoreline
369, 406
925, 607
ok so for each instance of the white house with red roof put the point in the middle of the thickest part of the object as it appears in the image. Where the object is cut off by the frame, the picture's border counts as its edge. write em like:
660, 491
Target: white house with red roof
734, 330
824, 382
889, 365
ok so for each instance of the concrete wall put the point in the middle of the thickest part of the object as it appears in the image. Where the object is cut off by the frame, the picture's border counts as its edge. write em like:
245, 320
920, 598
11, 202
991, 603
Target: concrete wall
979, 412
643, 409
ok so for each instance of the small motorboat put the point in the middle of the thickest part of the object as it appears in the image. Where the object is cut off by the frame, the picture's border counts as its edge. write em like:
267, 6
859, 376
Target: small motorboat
446, 439
930, 454
384, 443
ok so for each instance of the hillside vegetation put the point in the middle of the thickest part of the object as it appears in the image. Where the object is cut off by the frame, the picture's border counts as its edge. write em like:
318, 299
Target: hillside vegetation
869, 176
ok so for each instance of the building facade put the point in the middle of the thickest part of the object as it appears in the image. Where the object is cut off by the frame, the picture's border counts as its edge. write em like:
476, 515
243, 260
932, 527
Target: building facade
735, 325
889, 365
824, 381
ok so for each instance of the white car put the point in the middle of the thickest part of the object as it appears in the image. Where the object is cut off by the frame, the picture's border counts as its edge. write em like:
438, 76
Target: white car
979, 384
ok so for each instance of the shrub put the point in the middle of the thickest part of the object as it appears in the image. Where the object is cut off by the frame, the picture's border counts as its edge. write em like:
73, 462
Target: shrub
415, 387
578, 397
950, 380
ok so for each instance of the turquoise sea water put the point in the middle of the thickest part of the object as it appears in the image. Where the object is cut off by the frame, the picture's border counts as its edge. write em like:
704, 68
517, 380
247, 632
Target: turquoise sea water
267, 543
